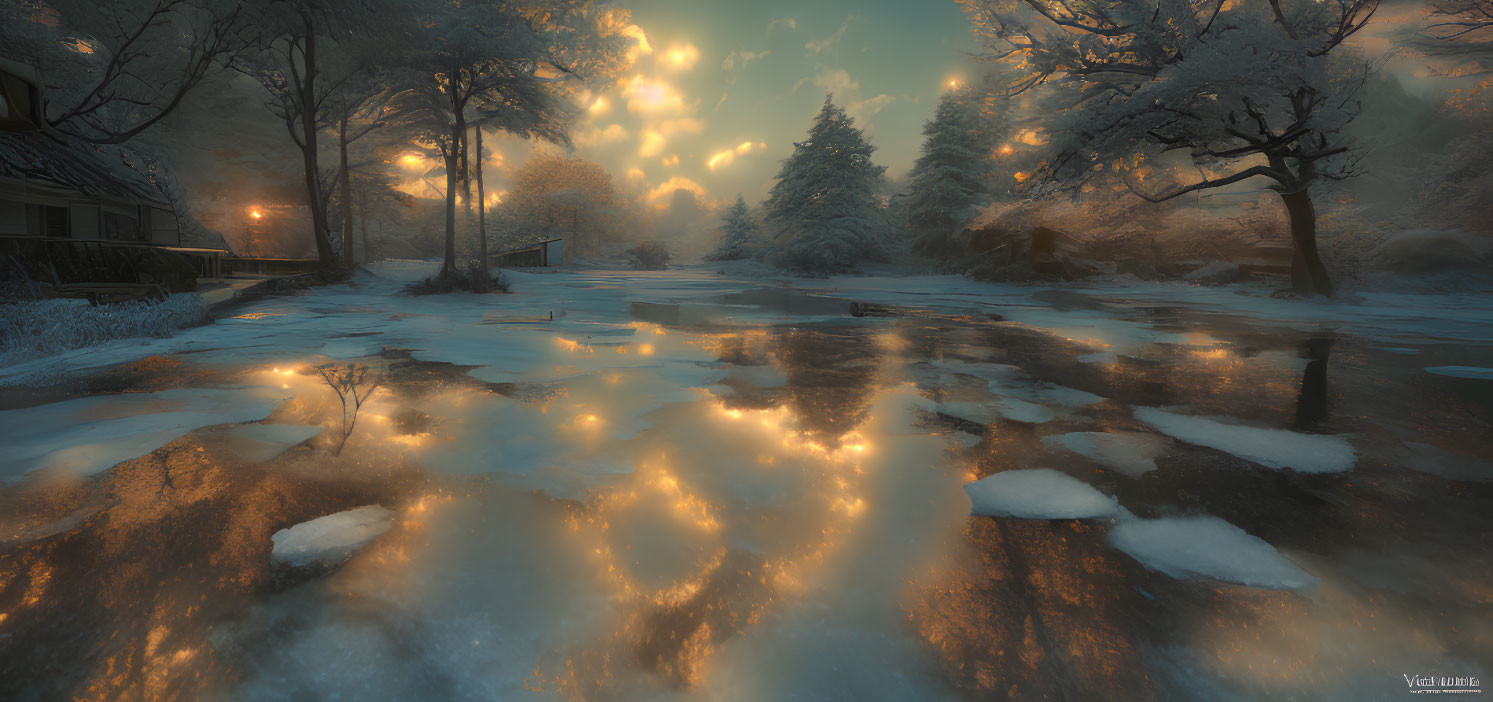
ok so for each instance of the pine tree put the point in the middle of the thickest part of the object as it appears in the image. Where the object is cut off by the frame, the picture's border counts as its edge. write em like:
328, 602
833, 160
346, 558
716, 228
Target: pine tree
741, 234
950, 179
823, 209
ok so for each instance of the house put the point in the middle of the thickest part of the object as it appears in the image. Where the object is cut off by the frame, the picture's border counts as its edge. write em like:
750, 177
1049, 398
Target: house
52, 186
78, 216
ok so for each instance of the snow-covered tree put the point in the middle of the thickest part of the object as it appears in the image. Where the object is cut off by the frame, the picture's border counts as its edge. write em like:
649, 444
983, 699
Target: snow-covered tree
1247, 90
553, 195
740, 234
950, 180
506, 66
823, 211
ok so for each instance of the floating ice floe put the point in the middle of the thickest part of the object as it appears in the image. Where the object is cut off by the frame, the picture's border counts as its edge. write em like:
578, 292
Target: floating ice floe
1038, 493
1273, 448
1469, 372
1126, 452
1207, 546
330, 540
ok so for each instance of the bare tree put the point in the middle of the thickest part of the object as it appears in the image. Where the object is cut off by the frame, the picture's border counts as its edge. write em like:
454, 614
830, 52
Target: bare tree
1458, 29
114, 69
1246, 90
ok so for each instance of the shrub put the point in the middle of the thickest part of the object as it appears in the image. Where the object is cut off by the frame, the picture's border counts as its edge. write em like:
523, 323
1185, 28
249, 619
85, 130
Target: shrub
649, 255
473, 279
32, 328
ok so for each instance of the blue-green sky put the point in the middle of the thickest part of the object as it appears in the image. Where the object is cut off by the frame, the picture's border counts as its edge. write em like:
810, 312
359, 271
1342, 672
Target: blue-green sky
745, 78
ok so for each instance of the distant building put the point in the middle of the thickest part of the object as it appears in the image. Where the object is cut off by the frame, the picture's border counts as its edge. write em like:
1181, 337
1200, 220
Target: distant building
550, 252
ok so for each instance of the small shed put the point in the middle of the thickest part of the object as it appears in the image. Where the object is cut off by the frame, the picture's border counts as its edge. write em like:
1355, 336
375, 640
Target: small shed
550, 252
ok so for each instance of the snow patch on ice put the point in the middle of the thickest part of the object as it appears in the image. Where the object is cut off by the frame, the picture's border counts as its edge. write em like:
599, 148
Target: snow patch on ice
1038, 493
1207, 546
331, 539
89, 435
1273, 448
1125, 452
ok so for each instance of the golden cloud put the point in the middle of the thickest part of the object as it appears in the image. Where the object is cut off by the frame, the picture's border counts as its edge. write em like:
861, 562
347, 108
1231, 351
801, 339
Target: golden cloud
661, 195
680, 57
652, 143
647, 96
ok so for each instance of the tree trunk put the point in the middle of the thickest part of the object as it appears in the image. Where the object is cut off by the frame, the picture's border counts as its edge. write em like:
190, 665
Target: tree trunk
363, 219
481, 205
452, 157
324, 251
1313, 275
345, 186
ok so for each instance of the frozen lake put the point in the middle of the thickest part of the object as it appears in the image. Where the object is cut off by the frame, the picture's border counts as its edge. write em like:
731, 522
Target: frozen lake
688, 485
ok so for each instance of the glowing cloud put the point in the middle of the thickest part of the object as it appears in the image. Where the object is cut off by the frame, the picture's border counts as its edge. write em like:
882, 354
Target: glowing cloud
744, 148
830, 43
652, 143
686, 125
661, 195
720, 160
680, 57
600, 106
742, 59
670, 161
598, 135
787, 22
635, 175
646, 96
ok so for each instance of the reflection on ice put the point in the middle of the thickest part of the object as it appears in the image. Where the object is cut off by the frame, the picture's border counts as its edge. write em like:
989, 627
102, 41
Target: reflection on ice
747, 495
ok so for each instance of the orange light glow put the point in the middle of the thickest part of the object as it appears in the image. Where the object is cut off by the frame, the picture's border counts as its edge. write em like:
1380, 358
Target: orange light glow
256, 214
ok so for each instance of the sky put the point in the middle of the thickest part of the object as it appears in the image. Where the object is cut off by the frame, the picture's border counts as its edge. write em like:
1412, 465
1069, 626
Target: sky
727, 87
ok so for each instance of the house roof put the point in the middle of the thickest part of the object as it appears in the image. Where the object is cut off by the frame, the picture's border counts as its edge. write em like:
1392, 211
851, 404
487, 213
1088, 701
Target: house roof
97, 171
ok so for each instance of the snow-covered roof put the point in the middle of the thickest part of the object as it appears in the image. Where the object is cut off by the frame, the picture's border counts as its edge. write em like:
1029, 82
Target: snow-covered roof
97, 171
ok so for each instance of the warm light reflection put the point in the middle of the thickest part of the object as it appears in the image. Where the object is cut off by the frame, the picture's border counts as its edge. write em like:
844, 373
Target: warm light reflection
572, 346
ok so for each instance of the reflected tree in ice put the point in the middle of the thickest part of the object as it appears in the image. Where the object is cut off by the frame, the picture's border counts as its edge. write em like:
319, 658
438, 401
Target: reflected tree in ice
350, 382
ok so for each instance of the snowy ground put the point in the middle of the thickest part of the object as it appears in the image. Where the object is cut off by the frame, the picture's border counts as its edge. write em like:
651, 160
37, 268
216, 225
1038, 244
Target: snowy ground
686, 485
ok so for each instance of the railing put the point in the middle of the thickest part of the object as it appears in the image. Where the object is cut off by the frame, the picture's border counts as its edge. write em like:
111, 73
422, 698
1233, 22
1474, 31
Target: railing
269, 266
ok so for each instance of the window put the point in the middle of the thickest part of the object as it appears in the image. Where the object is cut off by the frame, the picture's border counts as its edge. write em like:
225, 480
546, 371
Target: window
18, 103
118, 227
42, 220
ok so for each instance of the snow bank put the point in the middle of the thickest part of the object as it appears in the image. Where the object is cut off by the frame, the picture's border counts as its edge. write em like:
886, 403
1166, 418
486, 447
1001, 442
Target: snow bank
1273, 448
1207, 546
1470, 372
1038, 493
329, 540
34, 328
1125, 452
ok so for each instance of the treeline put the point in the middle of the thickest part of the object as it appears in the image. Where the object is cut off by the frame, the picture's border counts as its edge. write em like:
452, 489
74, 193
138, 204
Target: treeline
336, 73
